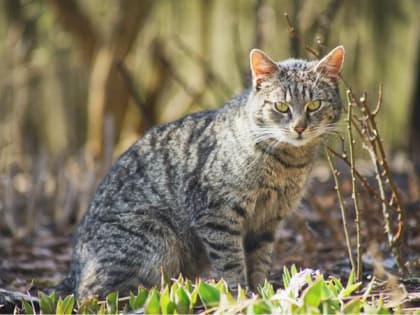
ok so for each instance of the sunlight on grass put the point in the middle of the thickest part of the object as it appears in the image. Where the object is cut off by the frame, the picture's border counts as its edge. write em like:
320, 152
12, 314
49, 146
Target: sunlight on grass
304, 292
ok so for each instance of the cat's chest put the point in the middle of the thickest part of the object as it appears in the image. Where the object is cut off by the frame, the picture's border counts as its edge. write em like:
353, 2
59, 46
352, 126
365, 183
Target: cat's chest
275, 197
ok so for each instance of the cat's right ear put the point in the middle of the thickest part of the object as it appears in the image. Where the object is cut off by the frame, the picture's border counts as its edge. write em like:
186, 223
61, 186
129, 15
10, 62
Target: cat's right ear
263, 68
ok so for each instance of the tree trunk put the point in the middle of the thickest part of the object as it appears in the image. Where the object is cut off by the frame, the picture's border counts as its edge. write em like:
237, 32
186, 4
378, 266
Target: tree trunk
414, 124
108, 94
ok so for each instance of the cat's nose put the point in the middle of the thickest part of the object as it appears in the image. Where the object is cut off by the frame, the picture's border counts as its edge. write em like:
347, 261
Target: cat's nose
299, 129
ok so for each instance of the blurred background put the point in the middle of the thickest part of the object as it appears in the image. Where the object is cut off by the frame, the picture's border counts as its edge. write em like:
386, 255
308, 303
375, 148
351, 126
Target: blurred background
80, 80
76, 72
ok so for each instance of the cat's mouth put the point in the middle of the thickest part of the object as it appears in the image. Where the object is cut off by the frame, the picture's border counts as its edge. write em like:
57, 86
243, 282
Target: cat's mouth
299, 139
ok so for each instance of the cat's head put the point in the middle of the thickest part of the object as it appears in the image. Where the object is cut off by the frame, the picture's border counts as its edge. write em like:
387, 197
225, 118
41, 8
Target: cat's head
294, 101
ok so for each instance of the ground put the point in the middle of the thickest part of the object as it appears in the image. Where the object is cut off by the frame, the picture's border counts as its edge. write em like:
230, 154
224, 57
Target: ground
312, 237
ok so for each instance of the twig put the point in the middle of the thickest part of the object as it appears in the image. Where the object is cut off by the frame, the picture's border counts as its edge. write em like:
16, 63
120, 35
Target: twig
354, 187
370, 146
382, 165
362, 179
379, 101
322, 25
342, 208
312, 52
293, 33
372, 153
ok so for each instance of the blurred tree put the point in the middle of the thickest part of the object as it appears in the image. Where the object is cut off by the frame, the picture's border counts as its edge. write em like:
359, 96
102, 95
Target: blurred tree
21, 39
108, 94
414, 123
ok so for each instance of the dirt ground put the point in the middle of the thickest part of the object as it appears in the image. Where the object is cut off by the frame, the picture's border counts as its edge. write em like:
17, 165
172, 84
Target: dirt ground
41, 205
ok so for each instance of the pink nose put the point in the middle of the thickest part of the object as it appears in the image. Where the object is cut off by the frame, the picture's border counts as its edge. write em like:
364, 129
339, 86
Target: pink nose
299, 129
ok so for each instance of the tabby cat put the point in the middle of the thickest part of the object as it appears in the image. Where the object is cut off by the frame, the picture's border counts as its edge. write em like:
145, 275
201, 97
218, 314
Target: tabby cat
206, 192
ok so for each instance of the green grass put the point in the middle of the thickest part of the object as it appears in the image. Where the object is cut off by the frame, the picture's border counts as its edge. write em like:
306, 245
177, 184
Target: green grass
304, 292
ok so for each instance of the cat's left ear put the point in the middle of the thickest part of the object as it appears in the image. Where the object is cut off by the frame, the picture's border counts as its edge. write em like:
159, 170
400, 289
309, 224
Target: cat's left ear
263, 68
332, 64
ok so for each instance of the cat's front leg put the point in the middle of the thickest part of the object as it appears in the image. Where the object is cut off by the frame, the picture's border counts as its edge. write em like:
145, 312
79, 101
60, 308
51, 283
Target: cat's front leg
259, 249
223, 241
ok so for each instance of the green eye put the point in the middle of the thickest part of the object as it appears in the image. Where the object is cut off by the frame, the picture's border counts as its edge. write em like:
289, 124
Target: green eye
281, 107
313, 105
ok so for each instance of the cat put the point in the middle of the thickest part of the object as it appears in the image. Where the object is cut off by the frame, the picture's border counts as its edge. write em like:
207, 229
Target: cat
207, 192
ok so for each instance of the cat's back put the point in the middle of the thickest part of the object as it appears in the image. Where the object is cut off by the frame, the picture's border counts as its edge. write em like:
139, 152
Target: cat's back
152, 172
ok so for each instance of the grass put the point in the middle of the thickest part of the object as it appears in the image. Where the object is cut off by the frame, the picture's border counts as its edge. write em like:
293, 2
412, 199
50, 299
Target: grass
303, 292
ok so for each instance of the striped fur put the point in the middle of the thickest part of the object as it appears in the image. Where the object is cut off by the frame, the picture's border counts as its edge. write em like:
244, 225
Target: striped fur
206, 192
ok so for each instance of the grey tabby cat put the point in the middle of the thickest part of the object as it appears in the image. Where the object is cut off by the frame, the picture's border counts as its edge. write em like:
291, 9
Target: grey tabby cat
207, 192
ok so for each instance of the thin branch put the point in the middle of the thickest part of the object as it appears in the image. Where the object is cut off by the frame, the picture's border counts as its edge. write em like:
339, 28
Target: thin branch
382, 164
322, 24
354, 196
342, 208
361, 178
293, 33
379, 102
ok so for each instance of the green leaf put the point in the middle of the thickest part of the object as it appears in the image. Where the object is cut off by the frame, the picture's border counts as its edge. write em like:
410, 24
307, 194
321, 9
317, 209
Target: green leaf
259, 307
352, 307
152, 304
335, 286
376, 307
137, 301
312, 295
101, 310
293, 270
182, 301
222, 286
65, 307
165, 279
194, 296
286, 277
112, 303
241, 294
349, 290
180, 281
351, 278
266, 291
316, 293
47, 304
209, 295
166, 305
188, 285
173, 289
27, 307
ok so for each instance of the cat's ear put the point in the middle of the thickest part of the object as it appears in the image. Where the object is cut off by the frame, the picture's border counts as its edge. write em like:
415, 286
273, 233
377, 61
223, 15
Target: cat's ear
332, 63
263, 68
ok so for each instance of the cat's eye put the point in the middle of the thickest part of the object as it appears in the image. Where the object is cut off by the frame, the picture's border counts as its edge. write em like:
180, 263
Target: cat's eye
313, 105
281, 107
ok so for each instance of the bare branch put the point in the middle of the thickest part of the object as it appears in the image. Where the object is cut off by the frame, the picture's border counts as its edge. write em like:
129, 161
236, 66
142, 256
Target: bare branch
342, 208
354, 194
